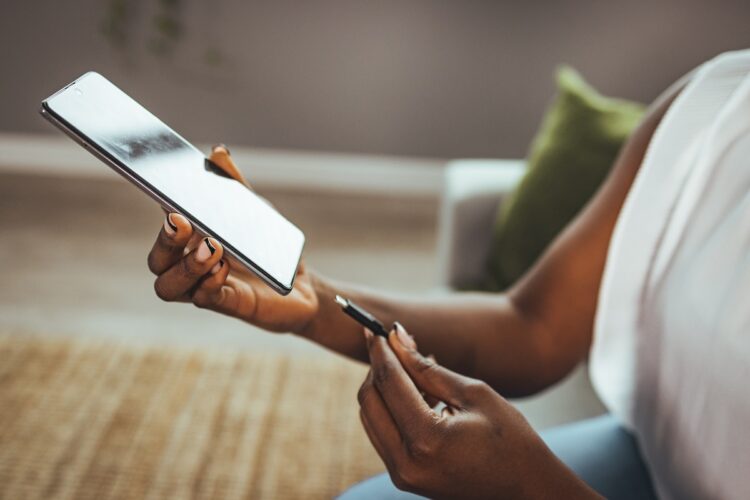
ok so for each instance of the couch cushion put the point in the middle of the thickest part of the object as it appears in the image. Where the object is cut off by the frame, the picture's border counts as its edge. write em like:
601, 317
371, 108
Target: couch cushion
580, 137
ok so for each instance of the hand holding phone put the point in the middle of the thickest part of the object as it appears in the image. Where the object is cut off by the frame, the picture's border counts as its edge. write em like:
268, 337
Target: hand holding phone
221, 246
230, 289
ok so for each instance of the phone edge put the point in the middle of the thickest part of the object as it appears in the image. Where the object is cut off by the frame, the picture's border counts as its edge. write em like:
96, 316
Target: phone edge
82, 141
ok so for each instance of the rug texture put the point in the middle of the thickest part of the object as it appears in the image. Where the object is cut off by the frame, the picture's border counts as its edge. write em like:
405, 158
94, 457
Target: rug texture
84, 420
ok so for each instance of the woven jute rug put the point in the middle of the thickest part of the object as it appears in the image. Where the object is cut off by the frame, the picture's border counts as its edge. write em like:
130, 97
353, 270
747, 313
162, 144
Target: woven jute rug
86, 420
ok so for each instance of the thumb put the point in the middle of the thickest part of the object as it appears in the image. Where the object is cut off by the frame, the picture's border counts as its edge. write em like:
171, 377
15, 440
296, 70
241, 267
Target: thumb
221, 158
438, 381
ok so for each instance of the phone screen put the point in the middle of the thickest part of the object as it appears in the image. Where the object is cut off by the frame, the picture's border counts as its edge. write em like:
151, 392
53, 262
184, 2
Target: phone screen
178, 172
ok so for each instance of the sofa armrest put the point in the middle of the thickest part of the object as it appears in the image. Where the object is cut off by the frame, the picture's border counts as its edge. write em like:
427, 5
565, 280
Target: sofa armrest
473, 191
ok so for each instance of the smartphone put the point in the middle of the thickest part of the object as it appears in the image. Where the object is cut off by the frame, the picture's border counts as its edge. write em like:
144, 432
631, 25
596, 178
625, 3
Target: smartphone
136, 144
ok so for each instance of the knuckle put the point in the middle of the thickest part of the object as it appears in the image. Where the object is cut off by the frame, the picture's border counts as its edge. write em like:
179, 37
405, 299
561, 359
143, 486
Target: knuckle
189, 268
382, 374
363, 393
405, 477
161, 291
420, 448
424, 365
476, 389
399, 481
151, 262
202, 300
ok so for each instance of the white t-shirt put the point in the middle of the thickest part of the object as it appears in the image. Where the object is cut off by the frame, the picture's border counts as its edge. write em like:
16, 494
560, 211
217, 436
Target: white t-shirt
671, 351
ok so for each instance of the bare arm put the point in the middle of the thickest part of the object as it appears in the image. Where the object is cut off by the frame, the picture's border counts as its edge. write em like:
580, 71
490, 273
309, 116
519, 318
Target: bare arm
533, 335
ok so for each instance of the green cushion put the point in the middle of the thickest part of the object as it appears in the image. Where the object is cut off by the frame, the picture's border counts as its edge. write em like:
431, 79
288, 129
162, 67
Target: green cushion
580, 137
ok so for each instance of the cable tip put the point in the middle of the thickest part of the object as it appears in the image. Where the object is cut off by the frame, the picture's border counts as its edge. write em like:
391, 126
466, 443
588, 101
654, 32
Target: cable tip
341, 301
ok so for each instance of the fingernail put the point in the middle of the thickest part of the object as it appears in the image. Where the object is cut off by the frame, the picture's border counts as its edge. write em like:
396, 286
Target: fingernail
220, 145
368, 335
403, 337
205, 251
217, 267
170, 227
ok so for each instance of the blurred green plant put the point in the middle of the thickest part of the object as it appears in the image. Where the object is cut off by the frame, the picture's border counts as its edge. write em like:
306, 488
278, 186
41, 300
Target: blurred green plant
115, 26
167, 24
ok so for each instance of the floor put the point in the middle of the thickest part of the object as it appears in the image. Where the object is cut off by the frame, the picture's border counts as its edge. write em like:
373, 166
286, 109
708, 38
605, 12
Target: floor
72, 253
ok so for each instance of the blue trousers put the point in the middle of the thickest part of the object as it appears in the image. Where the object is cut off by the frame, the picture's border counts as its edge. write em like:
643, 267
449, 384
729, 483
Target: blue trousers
598, 450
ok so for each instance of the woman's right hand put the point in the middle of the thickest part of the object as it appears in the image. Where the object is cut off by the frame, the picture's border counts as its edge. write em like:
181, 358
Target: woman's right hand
189, 268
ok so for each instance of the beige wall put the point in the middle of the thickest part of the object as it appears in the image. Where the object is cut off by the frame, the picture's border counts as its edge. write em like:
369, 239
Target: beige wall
408, 77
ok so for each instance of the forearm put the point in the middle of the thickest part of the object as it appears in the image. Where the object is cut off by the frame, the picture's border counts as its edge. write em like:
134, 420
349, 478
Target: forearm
480, 335
518, 342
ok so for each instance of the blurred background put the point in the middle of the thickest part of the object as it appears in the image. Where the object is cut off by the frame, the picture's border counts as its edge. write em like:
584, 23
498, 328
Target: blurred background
345, 114
420, 78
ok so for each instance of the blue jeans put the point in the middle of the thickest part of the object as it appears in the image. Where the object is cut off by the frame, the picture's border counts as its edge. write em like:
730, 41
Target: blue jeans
598, 450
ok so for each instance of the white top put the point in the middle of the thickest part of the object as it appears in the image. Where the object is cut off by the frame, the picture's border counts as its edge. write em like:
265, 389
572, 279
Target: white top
671, 351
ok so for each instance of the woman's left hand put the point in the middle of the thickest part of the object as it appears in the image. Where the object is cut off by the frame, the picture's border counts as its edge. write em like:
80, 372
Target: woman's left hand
479, 446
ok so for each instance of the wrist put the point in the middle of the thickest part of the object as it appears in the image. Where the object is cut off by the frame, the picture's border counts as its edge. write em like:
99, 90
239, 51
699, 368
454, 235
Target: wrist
328, 326
321, 289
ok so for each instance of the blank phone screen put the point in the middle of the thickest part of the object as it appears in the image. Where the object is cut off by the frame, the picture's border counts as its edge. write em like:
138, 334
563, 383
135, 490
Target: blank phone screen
178, 172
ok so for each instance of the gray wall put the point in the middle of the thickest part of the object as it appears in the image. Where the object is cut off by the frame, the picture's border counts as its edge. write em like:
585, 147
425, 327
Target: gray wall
417, 77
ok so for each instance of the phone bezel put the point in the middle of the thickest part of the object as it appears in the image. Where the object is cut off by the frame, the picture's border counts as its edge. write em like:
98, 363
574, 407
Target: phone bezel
99, 152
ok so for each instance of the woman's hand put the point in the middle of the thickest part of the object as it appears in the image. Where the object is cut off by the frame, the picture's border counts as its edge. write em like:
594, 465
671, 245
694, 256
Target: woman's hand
479, 446
192, 269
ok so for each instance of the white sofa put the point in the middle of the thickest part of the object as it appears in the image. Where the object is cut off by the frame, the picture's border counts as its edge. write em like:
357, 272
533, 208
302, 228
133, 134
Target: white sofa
473, 192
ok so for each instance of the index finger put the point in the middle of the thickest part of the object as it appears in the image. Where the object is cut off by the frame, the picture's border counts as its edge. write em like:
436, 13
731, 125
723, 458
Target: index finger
404, 401
221, 158
170, 243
